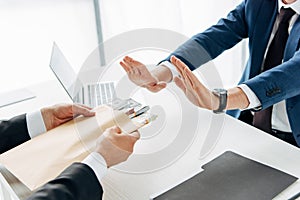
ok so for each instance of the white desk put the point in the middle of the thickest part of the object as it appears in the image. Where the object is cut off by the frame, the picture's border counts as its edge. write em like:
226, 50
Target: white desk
235, 136
47, 93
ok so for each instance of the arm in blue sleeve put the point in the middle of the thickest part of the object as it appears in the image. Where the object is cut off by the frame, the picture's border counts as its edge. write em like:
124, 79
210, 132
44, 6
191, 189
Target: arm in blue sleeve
277, 84
205, 46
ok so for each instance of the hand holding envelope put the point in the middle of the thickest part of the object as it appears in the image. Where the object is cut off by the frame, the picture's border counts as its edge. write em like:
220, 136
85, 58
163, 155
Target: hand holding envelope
116, 146
72, 142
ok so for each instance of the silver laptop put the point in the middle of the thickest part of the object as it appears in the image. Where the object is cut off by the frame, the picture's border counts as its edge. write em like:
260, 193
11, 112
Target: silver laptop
92, 95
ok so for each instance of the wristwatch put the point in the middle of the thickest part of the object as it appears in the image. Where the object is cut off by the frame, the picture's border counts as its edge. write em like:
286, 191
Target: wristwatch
222, 95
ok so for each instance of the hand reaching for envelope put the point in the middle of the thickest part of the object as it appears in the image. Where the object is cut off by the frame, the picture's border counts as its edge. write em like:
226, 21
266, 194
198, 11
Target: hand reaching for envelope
56, 115
116, 146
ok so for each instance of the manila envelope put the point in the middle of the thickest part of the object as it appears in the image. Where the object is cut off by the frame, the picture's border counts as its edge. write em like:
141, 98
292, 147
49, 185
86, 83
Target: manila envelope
43, 158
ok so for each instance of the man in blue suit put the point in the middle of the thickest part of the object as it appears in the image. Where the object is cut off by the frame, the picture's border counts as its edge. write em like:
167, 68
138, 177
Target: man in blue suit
271, 89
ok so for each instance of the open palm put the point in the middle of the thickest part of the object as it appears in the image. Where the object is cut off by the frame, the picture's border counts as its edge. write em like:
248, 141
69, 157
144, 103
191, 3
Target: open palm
194, 90
140, 75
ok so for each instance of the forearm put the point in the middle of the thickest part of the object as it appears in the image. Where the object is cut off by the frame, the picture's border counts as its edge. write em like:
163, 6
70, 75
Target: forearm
78, 182
277, 84
236, 99
162, 73
13, 132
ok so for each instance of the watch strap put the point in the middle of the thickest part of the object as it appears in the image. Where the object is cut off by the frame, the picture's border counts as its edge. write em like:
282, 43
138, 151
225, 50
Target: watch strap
222, 95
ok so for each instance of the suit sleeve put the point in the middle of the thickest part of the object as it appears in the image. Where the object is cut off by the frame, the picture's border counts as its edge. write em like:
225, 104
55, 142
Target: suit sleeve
277, 84
13, 132
76, 182
206, 46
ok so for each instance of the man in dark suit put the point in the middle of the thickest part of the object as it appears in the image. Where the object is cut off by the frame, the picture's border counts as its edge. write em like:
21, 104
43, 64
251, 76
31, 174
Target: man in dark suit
270, 84
80, 180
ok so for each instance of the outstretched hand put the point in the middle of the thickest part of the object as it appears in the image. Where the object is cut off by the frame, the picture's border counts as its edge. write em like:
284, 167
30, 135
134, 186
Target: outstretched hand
140, 75
116, 146
194, 90
56, 115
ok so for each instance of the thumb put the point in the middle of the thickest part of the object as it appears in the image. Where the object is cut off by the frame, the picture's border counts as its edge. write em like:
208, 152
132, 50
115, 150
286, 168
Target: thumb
162, 84
136, 135
157, 87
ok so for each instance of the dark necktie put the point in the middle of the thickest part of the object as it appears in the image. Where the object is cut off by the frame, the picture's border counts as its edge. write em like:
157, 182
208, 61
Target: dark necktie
262, 119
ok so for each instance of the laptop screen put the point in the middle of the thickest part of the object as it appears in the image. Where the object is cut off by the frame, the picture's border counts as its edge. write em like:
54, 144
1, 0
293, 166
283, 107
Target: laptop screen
64, 71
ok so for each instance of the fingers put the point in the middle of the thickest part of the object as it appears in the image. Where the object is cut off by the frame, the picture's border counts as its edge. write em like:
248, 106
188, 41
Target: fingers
115, 146
131, 61
121, 140
178, 64
189, 78
157, 87
115, 129
178, 81
126, 67
82, 105
183, 69
130, 65
82, 110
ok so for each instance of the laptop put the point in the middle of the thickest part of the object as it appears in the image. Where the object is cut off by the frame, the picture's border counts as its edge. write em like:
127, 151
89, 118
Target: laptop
92, 94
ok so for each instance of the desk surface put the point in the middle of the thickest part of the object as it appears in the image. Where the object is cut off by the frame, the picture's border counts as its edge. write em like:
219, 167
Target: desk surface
233, 135
47, 93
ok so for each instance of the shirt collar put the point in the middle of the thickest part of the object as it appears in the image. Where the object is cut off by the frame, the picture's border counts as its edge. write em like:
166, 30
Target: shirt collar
295, 6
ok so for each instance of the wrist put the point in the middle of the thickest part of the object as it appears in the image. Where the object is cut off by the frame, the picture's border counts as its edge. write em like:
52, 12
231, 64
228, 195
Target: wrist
35, 123
162, 74
97, 163
237, 99
104, 157
47, 117
221, 102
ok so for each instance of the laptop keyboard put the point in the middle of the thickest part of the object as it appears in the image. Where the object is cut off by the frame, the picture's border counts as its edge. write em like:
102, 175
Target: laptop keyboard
79, 98
101, 93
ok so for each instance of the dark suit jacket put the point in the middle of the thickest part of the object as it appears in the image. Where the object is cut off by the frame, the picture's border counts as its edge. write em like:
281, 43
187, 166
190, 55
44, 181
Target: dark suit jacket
13, 132
76, 182
253, 19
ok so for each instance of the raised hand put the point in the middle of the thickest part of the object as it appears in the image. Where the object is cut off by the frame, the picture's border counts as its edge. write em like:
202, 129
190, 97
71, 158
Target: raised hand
141, 76
194, 90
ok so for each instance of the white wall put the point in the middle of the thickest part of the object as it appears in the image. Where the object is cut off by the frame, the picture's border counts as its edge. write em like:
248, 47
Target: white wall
187, 17
28, 29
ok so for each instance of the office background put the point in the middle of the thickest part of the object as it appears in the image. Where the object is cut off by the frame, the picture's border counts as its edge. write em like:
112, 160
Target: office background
29, 27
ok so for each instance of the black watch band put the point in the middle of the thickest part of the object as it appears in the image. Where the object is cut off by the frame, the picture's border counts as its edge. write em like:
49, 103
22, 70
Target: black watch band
222, 95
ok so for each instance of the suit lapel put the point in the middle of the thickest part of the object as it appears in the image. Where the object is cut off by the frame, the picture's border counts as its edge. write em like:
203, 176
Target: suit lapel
262, 31
293, 41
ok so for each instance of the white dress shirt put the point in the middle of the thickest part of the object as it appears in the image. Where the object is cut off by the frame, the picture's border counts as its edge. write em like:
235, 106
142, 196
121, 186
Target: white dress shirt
279, 117
36, 126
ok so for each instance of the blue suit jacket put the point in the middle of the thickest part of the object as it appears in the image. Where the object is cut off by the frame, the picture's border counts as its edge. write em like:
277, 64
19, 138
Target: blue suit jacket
253, 19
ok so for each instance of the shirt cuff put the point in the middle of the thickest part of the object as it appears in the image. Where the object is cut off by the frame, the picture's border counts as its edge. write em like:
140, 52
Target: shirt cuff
253, 100
97, 163
171, 67
35, 123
